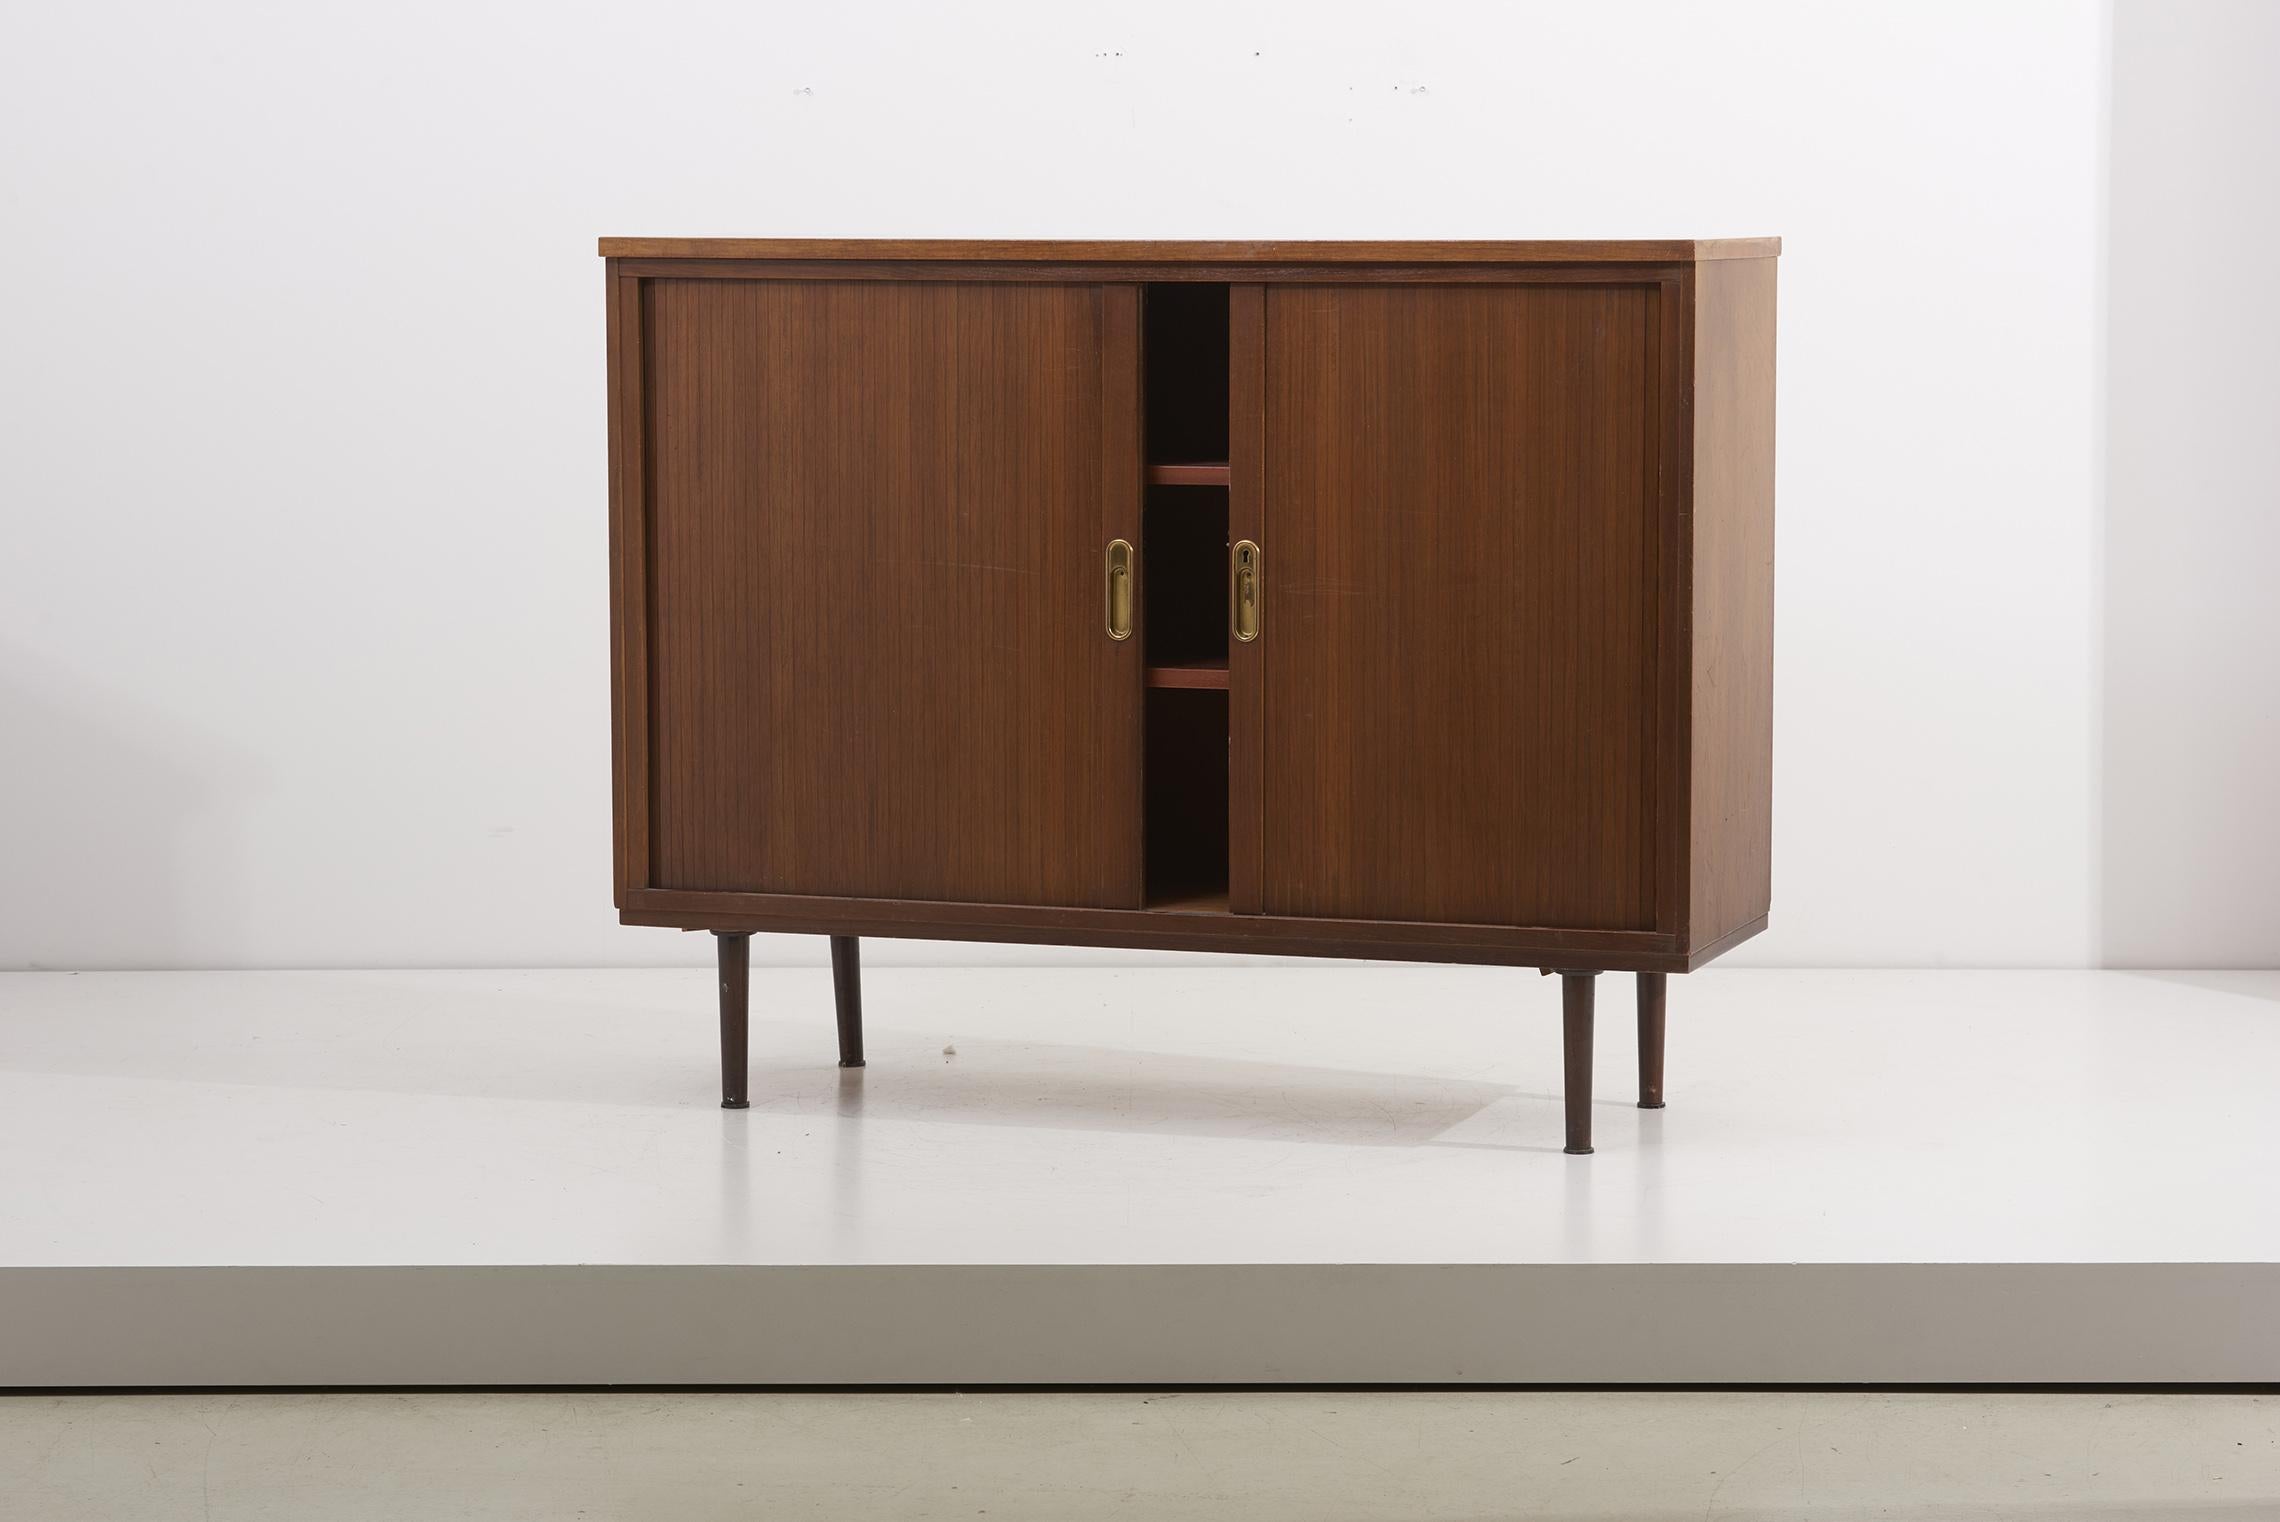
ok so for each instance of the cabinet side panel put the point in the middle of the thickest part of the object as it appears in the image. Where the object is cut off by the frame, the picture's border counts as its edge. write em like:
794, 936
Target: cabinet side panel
1731, 833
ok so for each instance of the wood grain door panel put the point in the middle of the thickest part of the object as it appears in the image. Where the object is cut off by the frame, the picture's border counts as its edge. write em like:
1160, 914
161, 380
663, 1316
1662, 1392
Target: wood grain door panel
1459, 644
878, 666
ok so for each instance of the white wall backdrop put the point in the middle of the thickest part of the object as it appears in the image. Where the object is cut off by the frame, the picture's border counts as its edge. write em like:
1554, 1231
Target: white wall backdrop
302, 623
2191, 798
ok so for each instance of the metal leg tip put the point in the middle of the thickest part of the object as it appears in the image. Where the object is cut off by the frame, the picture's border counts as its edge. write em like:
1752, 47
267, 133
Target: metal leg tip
1577, 1151
843, 1062
1650, 1104
736, 1104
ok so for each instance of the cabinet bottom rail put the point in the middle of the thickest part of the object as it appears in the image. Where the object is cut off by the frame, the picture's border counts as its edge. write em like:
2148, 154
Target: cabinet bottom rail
1178, 927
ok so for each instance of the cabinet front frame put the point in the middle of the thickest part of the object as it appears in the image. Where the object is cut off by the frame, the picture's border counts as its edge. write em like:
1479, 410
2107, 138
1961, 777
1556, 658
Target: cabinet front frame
1666, 947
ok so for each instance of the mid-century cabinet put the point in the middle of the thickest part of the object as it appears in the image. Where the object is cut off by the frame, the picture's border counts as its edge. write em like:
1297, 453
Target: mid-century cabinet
1397, 600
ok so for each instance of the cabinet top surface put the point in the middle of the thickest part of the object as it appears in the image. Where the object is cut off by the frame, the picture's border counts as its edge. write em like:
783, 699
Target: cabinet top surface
1063, 251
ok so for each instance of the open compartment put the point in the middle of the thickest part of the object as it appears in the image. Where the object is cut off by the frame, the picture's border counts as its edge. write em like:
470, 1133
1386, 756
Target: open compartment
1186, 798
1184, 529
1183, 591
1183, 336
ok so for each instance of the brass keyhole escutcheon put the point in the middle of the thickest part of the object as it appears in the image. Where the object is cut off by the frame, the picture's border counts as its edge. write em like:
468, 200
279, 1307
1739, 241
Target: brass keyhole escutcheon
1243, 591
1119, 589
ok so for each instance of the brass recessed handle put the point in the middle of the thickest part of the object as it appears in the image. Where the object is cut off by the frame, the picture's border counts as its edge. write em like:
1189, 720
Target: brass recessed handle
1119, 589
1243, 591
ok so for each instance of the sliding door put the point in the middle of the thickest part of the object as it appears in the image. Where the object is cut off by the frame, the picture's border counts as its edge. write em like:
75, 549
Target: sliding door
878, 661
1457, 655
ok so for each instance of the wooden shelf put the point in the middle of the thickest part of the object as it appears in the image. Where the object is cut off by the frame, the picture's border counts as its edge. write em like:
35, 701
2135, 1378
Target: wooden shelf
1191, 901
1205, 674
1187, 475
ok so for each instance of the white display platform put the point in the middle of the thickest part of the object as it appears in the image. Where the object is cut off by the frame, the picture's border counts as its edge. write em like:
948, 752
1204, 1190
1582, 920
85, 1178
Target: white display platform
1177, 1173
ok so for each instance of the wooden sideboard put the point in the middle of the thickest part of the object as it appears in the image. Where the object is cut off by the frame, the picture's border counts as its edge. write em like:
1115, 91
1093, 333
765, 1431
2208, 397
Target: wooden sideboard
1395, 600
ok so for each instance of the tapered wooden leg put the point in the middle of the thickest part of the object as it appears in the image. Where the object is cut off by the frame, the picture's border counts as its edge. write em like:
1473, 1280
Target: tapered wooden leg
1654, 991
735, 1009
847, 992
1575, 1033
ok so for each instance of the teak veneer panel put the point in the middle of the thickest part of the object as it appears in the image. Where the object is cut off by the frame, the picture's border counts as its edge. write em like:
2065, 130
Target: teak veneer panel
1732, 666
875, 659
1459, 653
1512, 698
1281, 251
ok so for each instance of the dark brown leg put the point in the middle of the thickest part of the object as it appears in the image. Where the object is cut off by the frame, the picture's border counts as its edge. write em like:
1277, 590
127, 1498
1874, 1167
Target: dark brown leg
1654, 988
847, 992
1575, 1033
735, 1008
